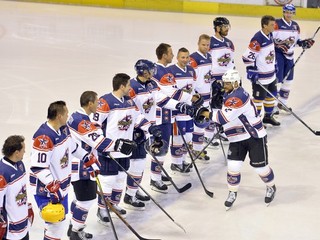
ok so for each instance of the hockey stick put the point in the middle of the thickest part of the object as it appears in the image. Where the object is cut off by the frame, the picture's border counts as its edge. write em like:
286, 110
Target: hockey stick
317, 133
179, 190
210, 194
106, 206
288, 73
107, 203
155, 202
224, 153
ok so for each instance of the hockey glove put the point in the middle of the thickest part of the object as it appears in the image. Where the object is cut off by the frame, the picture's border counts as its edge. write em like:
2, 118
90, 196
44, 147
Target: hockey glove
92, 164
55, 191
3, 227
156, 132
139, 137
306, 43
217, 93
186, 109
30, 213
125, 146
252, 74
197, 100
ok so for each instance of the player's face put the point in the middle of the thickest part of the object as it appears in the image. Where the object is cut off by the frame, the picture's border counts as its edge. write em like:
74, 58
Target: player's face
126, 89
288, 15
94, 105
19, 154
168, 56
64, 116
204, 46
270, 26
183, 59
228, 87
224, 30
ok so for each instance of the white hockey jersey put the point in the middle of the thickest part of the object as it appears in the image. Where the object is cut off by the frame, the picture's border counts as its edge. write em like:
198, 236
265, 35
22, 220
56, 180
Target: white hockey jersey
261, 53
13, 198
117, 118
286, 34
202, 66
222, 53
239, 117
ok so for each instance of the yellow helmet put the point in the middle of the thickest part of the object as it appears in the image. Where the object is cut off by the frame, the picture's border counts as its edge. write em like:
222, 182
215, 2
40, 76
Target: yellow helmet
53, 213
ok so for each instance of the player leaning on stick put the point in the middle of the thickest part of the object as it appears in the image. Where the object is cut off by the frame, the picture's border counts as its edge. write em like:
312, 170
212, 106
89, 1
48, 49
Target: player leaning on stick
286, 36
244, 129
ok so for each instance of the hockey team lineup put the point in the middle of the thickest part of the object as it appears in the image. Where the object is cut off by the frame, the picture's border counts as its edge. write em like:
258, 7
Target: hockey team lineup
107, 156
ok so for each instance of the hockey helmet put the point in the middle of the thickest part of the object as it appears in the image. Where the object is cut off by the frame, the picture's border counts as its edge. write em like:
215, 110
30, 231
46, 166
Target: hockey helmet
231, 76
289, 8
202, 122
143, 64
52, 213
157, 148
219, 21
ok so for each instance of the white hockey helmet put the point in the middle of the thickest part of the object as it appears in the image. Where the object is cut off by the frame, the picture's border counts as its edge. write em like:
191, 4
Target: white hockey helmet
231, 76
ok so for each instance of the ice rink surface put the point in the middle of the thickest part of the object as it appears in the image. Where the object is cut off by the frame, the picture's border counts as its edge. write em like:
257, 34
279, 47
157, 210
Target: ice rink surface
55, 52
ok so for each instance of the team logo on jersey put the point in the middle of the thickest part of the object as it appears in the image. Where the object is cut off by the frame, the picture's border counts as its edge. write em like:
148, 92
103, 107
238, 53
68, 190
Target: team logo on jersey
43, 142
21, 197
270, 57
224, 60
147, 105
64, 161
208, 78
124, 123
169, 77
233, 102
188, 88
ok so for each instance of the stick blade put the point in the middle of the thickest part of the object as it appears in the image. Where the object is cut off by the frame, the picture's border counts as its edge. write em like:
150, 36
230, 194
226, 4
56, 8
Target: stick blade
317, 133
210, 194
185, 188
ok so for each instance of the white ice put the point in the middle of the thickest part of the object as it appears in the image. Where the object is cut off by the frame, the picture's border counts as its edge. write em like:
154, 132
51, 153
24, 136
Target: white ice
55, 52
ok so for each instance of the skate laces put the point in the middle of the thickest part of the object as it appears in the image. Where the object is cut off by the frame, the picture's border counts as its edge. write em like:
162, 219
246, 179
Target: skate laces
232, 196
270, 192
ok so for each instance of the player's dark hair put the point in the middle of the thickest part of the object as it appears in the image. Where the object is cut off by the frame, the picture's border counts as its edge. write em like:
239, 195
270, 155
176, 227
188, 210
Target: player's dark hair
162, 49
55, 108
12, 144
87, 97
183, 50
120, 79
266, 19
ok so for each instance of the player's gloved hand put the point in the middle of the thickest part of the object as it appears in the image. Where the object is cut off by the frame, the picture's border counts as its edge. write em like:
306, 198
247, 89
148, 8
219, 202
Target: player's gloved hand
283, 47
252, 74
92, 164
30, 213
217, 93
186, 109
197, 100
125, 146
139, 136
156, 132
55, 191
3, 226
306, 43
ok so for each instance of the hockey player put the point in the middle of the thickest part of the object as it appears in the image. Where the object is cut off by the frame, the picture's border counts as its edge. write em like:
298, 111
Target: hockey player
117, 115
147, 96
260, 61
50, 168
222, 54
86, 135
185, 78
16, 215
201, 62
246, 134
286, 35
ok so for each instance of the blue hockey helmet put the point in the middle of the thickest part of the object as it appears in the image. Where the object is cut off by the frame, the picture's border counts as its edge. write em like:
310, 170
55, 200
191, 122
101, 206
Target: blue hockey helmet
289, 8
202, 122
143, 64
219, 21
157, 148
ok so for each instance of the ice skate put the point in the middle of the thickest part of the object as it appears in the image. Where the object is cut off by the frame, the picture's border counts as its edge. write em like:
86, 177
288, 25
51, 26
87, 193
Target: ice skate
270, 193
80, 235
214, 143
103, 217
287, 110
166, 180
119, 209
142, 197
132, 203
204, 158
181, 169
270, 120
230, 200
158, 186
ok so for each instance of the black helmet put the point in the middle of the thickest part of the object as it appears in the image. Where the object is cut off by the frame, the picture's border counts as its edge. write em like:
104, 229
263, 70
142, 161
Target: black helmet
218, 21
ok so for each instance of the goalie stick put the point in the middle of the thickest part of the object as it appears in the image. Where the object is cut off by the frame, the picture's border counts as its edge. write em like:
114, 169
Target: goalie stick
155, 202
317, 133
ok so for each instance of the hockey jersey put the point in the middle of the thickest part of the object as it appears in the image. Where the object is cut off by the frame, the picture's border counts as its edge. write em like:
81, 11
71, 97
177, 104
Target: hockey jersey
117, 119
13, 198
51, 158
185, 81
202, 66
286, 36
147, 96
86, 135
239, 117
222, 53
261, 53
